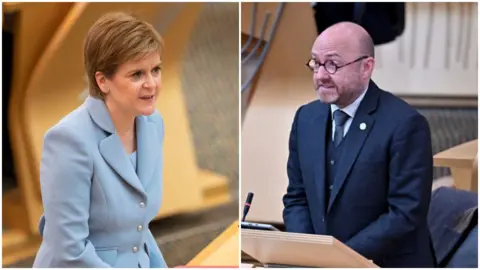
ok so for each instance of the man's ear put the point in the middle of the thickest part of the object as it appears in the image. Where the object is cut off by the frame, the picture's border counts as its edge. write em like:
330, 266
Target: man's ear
369, 66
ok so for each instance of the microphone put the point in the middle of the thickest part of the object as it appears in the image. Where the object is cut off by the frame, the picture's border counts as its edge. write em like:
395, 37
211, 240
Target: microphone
246, 207
250, 225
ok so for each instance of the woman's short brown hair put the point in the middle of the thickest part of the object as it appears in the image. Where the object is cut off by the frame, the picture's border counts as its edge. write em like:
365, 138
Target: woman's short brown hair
114, 39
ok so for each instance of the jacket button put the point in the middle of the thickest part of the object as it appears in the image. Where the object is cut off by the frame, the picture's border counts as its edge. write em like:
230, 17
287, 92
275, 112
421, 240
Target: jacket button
142, 205
139, 228
135, 249
323, 219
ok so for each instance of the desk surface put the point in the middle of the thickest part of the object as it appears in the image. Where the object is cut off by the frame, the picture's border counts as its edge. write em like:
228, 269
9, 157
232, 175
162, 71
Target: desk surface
223, 251
460, 156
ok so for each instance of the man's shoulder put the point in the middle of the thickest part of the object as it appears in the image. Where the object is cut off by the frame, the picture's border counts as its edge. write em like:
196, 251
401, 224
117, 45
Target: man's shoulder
391, 105
311, 108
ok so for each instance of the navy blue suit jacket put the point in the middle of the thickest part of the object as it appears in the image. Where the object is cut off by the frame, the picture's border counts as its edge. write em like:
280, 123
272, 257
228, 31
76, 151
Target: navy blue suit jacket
381, 195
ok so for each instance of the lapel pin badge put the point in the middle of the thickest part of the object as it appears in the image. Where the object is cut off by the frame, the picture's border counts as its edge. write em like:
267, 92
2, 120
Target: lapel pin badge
363, 126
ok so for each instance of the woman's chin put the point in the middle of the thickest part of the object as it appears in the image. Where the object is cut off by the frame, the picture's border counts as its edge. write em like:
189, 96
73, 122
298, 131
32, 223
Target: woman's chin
147, 110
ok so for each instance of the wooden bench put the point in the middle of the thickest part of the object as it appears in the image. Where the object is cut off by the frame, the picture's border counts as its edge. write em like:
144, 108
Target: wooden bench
223, 251
462, 161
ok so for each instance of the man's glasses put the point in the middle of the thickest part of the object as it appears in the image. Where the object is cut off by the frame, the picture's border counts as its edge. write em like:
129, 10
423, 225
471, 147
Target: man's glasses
329, 65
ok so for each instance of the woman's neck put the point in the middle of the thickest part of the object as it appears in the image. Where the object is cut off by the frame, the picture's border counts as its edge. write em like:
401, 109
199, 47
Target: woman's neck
123, 121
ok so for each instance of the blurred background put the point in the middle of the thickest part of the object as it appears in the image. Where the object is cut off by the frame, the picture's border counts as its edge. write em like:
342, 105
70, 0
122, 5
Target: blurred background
43, 80
426, 53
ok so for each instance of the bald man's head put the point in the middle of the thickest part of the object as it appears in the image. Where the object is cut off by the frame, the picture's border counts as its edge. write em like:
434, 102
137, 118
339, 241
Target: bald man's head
348, 50
353, 34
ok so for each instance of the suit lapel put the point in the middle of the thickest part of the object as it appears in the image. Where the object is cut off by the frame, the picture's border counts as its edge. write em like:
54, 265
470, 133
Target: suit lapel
111, 147
114, 154
319, 128
355, 139
148, 151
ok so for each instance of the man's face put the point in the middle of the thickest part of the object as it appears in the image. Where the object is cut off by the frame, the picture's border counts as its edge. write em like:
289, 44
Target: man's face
345, 82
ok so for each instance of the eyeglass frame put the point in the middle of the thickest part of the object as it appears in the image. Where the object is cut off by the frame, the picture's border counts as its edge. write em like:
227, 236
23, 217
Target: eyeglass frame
335, 65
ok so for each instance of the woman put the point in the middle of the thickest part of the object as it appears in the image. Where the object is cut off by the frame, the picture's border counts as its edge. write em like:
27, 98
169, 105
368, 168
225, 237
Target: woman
101, 168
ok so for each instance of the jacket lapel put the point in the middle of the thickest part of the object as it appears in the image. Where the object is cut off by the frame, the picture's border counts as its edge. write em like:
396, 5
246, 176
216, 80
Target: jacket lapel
357, 133
111, 147
114, 154
148, 150
319, 131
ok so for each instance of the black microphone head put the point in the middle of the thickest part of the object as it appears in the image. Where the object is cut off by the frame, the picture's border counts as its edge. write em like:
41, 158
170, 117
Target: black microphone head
249, 197
247, 205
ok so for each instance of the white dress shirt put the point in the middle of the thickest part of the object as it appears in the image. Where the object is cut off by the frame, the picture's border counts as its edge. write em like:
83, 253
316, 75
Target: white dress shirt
350, 110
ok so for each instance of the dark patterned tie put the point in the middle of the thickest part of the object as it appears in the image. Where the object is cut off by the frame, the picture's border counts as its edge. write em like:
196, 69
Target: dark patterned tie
340, 118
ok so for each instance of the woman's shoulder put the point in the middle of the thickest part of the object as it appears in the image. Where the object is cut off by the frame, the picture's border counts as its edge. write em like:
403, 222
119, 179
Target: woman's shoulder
74, 123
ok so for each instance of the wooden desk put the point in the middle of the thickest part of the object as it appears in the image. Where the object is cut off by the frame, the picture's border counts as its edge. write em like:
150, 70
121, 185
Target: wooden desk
460, 159
223, 251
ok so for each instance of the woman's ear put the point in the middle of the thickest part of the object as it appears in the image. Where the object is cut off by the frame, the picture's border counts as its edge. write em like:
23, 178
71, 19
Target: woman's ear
101, 81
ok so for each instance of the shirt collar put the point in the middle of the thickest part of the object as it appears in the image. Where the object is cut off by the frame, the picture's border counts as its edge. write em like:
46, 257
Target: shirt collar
352, 108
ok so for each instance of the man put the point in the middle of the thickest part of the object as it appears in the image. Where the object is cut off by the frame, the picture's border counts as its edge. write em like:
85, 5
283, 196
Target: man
360, 162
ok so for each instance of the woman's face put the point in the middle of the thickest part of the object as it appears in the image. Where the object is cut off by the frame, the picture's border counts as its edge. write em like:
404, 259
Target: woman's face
134, 88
